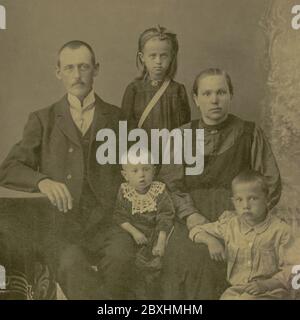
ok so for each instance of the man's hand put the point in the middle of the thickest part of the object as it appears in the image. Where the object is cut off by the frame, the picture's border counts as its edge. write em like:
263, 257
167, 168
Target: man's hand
216, 249
57, 193
139, 237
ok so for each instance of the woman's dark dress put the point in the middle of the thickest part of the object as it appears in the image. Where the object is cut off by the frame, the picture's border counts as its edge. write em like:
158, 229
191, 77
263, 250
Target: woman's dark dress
229, 148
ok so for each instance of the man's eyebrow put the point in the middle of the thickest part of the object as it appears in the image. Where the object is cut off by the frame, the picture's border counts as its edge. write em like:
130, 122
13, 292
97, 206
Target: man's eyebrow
76, 64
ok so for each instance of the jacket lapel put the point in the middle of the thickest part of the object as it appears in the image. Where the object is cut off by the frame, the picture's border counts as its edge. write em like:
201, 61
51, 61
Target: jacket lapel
100, 118
67, 126
65, 121
100, 121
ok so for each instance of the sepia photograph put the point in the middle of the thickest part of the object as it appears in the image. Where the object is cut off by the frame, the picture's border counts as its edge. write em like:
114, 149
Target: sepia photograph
149, 150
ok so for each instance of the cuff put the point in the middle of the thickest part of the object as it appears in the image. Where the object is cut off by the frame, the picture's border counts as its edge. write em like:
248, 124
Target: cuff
194, 231
185, 212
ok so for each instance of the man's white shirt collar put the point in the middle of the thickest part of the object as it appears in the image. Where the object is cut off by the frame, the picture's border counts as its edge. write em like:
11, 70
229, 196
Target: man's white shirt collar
88, 101
82, 114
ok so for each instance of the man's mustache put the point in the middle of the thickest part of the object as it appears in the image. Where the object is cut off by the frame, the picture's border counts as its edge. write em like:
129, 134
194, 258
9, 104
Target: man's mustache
77, 82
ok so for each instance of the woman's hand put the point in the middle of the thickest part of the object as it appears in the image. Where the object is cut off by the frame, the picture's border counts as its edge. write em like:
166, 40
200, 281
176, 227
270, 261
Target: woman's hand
158, 250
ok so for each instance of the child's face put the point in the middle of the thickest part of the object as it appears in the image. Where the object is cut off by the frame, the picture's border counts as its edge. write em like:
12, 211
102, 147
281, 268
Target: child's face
213, 99
250, 202
139, 176
156, 56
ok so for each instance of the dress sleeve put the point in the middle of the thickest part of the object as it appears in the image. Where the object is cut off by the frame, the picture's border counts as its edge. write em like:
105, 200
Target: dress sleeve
173, 176
121, 211
216, 229
20, 170
166, 213
184, 105
127, 107
263, 160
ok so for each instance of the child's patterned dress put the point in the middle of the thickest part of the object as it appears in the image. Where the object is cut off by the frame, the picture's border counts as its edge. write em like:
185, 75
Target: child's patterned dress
150, 213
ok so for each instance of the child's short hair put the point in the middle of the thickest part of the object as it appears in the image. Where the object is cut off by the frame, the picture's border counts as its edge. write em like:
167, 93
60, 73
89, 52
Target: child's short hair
251, 176
212, 72
162, 34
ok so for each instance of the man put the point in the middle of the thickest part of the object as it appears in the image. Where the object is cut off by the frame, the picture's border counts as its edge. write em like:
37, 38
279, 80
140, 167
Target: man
57, 156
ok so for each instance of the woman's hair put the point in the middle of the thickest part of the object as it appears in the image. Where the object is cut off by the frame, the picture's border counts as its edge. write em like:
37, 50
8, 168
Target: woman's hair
212, 72
162, 34
253, 176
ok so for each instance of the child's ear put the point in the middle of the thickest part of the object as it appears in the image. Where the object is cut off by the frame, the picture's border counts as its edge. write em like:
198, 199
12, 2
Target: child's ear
141, 56
124, 174
232, 200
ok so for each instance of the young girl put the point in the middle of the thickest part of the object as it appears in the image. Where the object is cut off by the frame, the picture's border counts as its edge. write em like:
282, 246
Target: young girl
145, 211
157, 61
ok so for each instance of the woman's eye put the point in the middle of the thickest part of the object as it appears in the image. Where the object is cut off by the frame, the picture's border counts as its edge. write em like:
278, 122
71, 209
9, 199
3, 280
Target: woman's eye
222, 92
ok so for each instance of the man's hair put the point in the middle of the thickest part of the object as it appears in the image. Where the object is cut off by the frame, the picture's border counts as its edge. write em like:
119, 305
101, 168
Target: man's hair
251, 176
212, 72
75, 44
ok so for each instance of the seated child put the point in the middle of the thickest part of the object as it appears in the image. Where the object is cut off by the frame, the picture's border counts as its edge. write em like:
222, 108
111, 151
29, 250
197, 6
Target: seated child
255, 242
145, 210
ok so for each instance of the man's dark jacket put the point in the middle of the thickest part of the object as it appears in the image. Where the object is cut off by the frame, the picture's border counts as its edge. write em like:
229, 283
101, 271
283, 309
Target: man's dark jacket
50, 148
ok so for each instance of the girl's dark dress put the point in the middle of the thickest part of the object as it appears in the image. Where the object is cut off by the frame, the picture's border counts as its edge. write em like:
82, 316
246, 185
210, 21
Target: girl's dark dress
171, 111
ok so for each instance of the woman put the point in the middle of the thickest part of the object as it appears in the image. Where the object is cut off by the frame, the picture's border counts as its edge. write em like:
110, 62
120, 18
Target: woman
231, 145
